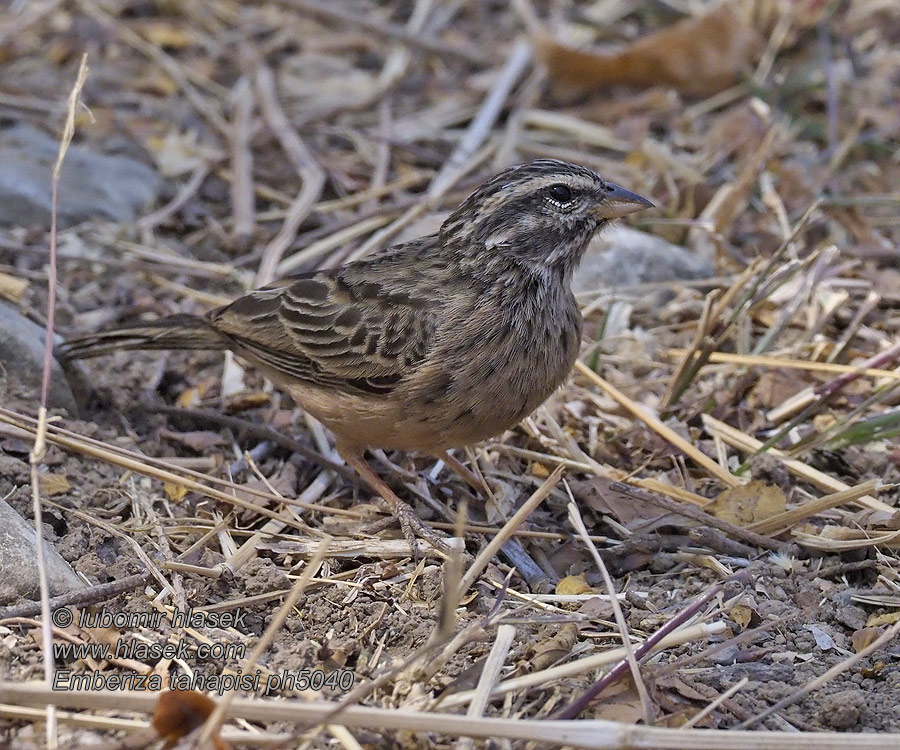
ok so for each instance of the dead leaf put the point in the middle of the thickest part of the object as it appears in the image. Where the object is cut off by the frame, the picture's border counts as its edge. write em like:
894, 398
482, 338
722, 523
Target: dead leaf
889, 618
180, 712
699, 56
12, 287
53, 484
572, 586
774, 387
741, 614
598, 495
554, 648
620, 703
864, 637
175, 492
749, 503
196, 440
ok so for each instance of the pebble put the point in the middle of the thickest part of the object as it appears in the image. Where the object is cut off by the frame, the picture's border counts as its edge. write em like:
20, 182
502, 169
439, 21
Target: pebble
22, 361
92, 185
622, 256
18, 561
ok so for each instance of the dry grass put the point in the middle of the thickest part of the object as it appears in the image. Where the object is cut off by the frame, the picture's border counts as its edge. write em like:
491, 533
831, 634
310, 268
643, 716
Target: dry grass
297, 134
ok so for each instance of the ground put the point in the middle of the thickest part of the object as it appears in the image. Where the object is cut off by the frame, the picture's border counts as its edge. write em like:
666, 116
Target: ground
778, 181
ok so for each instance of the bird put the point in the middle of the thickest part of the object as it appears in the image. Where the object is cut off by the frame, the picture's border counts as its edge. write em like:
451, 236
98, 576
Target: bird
434, 344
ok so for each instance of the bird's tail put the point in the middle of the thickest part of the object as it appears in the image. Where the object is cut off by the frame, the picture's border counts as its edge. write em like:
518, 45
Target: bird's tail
173, 332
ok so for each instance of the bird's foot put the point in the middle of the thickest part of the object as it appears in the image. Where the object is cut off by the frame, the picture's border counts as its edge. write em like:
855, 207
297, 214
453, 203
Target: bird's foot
414, 528
411, 525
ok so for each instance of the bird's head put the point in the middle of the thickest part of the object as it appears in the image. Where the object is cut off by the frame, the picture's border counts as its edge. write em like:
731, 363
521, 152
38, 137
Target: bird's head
542, 213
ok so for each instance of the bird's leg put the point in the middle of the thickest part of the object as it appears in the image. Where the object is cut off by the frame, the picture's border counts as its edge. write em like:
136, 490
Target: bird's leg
410, 523
460, 469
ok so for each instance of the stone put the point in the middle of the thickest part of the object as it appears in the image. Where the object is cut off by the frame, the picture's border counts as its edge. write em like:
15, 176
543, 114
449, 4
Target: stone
18, 561
92, 185
622, 256
22, 361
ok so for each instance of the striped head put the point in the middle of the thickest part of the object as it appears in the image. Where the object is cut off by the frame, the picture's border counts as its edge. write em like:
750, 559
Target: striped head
542, 213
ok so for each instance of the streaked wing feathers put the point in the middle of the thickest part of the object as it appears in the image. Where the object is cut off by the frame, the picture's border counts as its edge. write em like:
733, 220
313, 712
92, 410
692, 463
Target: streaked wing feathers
330, 330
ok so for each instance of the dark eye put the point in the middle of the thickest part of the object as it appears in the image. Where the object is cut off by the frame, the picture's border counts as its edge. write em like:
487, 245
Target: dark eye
560, 193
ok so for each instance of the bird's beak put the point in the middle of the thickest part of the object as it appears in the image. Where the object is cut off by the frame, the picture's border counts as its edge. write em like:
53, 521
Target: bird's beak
620, 202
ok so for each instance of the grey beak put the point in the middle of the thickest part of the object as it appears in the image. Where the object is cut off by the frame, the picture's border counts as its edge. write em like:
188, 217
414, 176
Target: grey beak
620, 202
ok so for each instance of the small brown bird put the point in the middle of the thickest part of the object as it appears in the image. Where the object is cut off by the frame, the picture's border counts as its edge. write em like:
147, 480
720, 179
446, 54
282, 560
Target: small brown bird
434, 344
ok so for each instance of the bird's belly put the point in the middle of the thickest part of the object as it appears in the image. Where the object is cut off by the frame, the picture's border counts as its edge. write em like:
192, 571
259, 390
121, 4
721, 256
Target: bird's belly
360, 422
388, 423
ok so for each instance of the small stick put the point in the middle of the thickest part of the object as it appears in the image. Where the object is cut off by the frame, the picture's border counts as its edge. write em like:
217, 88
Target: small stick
243, 206
312, 176
488, 678
484, 557
39, 451
333, 12
763, 360
578, 522
80, 598
667, 433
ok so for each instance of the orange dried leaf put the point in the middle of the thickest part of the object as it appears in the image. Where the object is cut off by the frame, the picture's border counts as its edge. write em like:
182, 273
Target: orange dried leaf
699, 56
180, 712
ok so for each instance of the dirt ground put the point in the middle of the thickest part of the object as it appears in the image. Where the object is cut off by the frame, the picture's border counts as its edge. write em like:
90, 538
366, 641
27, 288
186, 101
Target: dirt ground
165, 88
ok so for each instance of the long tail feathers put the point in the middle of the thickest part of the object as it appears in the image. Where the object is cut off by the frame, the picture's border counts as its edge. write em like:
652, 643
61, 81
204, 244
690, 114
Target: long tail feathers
173, 332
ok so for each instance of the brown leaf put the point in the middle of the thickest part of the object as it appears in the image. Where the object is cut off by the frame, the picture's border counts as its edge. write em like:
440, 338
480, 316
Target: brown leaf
196, 440
864, 637
620, 703
774, 387
180, 712
53, 484
558, 646
749, 503
699, 56
598, 495
572, 585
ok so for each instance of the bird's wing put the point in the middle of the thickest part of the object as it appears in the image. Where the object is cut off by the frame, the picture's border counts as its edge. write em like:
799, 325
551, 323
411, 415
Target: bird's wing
358, 328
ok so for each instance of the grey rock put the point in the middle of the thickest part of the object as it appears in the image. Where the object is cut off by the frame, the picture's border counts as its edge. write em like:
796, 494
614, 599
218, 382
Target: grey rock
18, 561
22, 360
91, 186
622, 256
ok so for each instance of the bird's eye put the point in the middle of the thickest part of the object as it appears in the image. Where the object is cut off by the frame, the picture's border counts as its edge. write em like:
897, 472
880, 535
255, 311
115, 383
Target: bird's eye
560, 193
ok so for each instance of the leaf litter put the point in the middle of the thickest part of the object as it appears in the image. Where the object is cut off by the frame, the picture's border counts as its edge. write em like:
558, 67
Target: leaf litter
761, 397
